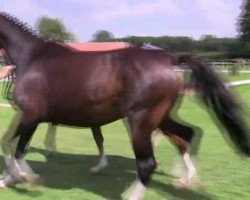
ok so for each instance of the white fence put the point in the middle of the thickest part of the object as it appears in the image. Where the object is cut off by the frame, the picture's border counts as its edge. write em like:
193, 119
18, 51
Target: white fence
241, 66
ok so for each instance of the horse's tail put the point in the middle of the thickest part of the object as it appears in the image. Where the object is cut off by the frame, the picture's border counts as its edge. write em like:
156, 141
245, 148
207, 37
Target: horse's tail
215, 95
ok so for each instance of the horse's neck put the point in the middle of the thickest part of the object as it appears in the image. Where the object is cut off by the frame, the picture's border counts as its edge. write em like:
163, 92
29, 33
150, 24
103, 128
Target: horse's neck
19, 45
20, 52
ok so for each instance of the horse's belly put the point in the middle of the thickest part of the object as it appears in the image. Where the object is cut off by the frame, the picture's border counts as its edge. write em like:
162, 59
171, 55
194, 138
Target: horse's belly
87, 116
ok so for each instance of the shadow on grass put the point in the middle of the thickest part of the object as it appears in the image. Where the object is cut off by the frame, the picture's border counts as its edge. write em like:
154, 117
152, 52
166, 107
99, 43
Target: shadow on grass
67, 171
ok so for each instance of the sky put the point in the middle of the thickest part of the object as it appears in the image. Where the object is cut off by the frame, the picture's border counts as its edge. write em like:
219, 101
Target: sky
192, 18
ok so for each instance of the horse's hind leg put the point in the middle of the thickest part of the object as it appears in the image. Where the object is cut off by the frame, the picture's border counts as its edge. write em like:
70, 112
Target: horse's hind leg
181, 136
103, 161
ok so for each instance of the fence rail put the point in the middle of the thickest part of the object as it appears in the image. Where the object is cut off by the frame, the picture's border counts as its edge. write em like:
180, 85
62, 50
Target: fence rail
242, 66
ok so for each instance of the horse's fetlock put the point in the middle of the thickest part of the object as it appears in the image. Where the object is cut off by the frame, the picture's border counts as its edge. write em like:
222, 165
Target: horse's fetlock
146, 168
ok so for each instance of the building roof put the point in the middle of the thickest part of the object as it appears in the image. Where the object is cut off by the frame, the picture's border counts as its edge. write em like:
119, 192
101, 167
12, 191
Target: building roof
149, 46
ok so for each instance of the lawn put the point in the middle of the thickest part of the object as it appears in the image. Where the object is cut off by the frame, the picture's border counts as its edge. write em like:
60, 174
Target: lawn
241, 76
223, 173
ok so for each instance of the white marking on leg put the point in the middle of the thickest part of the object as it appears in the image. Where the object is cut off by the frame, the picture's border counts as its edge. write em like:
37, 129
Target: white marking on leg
102, 163
7, 180
9, 174
191, 170
15, 168
138, 191
27, 174
16, 171
50, 139
21, 171
24, 166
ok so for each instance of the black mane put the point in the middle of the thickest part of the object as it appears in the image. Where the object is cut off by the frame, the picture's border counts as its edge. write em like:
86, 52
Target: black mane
21, 25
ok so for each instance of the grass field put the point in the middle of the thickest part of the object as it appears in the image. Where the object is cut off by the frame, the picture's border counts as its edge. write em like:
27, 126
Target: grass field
242, 76
224, 174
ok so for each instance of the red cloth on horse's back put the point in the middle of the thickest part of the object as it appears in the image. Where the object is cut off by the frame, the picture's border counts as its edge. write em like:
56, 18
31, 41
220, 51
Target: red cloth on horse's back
99, 46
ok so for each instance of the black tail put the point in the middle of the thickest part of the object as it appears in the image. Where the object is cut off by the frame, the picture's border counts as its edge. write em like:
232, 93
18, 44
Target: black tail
215, 95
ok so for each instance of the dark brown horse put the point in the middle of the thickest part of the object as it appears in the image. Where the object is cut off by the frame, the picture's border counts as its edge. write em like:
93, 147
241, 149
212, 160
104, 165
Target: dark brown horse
59, 85
179, 134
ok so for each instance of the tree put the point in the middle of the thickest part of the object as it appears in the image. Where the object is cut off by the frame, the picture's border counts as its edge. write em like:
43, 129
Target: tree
54, 29
102, 36
244, 22
209, 43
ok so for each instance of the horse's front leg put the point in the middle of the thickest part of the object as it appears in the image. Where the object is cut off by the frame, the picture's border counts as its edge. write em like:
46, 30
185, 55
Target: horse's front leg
17, 168
141, 130
50, 140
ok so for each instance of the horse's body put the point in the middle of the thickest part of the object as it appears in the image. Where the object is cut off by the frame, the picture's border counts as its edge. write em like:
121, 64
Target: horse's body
56, 84
107, 86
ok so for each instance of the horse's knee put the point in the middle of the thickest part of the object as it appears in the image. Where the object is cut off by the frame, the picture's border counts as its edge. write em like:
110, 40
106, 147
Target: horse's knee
146, 168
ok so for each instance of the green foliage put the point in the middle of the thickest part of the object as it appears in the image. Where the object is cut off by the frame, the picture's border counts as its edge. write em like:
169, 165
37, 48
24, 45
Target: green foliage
210, 43
244, 27
222, 47
102, 36
214, 55
244, 22
54, 29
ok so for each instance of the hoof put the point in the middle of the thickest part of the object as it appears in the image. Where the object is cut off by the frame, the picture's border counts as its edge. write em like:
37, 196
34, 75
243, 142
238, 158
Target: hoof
33, 179
7, 180
95, 170
103, 163
182, 183
2, 184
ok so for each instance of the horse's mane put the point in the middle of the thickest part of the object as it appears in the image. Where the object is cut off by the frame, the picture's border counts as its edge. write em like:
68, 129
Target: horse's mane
24, 27
21, 25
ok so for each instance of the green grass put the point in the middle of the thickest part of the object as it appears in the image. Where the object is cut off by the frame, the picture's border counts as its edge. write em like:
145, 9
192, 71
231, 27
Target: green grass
238, 77
224, 174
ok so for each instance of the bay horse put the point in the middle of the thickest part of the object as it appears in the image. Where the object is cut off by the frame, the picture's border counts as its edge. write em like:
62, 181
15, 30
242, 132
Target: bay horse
182, 137
101, 87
